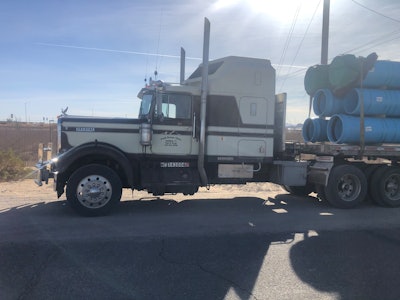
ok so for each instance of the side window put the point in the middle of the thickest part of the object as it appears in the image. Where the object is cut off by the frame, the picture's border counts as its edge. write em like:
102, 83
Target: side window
223, 111
176, 106
168, 109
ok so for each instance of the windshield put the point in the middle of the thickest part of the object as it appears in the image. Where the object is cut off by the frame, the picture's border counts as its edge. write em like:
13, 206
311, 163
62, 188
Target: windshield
145, 105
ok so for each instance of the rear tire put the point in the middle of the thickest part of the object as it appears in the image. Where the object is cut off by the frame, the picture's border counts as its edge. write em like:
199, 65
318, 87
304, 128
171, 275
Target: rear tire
385, 186
369, 172
94, 190
373, 184
347, 186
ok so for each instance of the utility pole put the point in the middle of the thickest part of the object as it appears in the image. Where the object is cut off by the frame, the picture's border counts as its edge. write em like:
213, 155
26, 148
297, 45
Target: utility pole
26, 114
325, 33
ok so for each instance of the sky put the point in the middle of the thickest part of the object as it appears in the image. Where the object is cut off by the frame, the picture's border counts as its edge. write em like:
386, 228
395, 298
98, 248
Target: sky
93, 56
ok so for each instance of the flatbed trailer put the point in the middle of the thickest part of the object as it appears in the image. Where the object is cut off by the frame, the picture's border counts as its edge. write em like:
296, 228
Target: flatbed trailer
389, 152
345, 175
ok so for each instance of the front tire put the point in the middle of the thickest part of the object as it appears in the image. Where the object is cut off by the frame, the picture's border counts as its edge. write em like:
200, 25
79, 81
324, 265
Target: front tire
94, 190
347, 186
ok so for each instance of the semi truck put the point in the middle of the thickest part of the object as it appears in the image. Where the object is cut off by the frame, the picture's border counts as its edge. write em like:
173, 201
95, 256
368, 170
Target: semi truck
223, 124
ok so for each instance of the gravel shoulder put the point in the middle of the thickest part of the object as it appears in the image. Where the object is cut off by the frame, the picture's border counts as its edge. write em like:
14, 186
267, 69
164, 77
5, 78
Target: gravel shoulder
23, 192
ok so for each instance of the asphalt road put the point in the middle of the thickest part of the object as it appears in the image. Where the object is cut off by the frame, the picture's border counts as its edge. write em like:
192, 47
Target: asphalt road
282, 247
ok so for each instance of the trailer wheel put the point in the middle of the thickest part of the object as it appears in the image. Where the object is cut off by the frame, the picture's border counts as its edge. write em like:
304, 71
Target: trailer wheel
385, 186
347, 186
299, 190
369, 174
93, 190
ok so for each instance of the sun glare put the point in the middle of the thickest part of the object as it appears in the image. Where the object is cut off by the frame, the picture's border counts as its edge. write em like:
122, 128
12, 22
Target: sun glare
278, 10
282, 10
221, 4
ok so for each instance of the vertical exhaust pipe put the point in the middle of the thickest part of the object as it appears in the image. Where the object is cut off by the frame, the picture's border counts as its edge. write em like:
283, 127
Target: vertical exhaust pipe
183, 61
203, 103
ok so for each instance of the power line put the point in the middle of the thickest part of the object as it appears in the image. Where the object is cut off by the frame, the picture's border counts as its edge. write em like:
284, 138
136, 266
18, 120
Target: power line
301, 43
378, 41
375, 12
114, 50
364, 47
381, 43
381, 40
289, 37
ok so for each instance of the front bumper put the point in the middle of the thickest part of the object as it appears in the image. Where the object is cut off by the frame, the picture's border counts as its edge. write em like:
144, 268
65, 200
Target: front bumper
43, 173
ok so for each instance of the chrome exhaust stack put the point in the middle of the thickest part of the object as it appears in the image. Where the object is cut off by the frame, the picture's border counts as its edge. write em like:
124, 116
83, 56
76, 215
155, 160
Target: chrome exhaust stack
203, 103
183, 60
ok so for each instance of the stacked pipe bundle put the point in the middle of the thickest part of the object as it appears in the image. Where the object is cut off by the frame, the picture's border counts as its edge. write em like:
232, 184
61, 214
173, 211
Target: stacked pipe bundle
342, 89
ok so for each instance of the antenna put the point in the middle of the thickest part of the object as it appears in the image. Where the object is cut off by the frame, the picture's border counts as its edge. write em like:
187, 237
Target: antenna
145, 76
158, 45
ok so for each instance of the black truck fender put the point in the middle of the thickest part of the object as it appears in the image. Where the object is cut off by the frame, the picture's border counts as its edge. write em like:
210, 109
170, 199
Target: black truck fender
93, 152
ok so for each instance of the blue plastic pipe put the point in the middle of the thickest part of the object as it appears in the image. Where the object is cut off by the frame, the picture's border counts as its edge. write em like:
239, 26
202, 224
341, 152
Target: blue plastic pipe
384, 74
376, 102
325, 104
314, 130
345, 129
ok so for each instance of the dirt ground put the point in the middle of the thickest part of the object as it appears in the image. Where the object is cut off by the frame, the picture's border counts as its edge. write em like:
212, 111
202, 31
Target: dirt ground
26, 192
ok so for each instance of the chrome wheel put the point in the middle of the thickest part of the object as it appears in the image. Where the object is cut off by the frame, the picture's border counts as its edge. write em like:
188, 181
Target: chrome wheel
94, 191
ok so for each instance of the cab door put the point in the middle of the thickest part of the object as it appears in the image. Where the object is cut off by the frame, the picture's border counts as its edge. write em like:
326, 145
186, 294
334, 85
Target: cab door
173, 125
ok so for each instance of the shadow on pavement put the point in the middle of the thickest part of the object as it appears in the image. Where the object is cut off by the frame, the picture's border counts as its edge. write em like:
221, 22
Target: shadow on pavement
198, 249
352, 264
